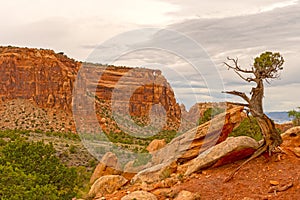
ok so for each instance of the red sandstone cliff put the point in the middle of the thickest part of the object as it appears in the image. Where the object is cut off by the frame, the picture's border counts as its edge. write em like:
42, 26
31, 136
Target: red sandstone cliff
47, 80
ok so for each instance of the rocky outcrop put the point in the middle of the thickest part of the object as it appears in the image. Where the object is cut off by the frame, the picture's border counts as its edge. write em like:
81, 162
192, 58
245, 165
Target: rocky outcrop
292, 132
190, 144
47, 80
107, 166
156, 145
39, 75
129, 98
291, 140
233, 145
155, 173
197, 110
107, 185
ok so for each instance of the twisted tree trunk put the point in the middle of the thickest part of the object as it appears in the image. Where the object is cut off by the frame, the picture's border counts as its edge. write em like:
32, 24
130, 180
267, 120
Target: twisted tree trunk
271, 135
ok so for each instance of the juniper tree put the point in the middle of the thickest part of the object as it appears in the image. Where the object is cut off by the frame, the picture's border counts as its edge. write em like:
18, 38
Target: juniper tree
265, 68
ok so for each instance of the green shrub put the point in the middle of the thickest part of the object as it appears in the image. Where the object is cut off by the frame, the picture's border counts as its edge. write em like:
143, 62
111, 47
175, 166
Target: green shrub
248, 127
296, 115
209, 114
72, 149
32, 171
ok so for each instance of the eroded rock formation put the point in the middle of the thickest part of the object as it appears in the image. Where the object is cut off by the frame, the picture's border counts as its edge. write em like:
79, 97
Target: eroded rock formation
47, 79
39, 75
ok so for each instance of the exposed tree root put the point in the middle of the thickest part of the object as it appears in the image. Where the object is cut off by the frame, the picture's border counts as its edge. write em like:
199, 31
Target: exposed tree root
257, 153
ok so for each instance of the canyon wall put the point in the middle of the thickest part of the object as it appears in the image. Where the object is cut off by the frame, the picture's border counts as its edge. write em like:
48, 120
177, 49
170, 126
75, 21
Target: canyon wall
47, 79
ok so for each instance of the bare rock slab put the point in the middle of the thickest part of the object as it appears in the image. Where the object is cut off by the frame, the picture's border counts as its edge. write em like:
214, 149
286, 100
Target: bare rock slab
212, 155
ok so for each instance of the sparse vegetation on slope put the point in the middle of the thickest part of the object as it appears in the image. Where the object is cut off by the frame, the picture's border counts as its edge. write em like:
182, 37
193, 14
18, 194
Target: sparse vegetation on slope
41, 165
209, 114
32, 171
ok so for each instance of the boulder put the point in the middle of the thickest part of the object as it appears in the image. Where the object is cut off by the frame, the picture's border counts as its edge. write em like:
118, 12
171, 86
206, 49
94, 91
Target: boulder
292, 132
156, 145
155, 174
140, 195
195, 141
107, 166
186, 195
291, 140
225, 150
296, 151
131, 168
107, 184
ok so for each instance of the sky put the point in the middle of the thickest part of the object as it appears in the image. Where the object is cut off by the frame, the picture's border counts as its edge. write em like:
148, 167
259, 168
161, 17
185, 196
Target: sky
188, 40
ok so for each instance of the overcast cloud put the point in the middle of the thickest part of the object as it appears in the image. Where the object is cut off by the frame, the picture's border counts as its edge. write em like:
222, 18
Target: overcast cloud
234, 28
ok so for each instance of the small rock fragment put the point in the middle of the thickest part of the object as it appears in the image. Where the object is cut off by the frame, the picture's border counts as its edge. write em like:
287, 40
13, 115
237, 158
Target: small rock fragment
272, 182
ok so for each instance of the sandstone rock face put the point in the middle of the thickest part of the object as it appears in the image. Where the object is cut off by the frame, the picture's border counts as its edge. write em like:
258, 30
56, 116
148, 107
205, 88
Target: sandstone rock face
107, 166
190, 144
155, 173
128, 98
47, 79
107, 185
212, 155
39, 75
292, 132
156, 145
197, 110
140, 195
291, 140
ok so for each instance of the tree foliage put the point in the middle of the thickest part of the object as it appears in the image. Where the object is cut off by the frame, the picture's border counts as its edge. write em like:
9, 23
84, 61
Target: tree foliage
268, 64
296, 115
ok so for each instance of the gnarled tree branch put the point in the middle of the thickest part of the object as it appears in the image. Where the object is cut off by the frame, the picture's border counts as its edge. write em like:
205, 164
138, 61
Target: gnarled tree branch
238, 70
240, 94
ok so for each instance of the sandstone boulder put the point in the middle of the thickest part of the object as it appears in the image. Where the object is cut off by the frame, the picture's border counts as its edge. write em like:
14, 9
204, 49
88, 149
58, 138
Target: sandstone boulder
232, 145
186, 195
107, 184
107, 166
140, 195
291, 140
155, 173
292, 132
190, 144
156, 145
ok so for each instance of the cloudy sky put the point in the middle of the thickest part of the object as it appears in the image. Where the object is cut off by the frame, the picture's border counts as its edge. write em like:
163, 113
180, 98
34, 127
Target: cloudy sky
202, 34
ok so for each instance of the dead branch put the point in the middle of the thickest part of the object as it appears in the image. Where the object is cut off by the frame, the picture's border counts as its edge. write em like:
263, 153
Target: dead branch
280, 188
240, 94
236, 66
240, 104
237, 69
